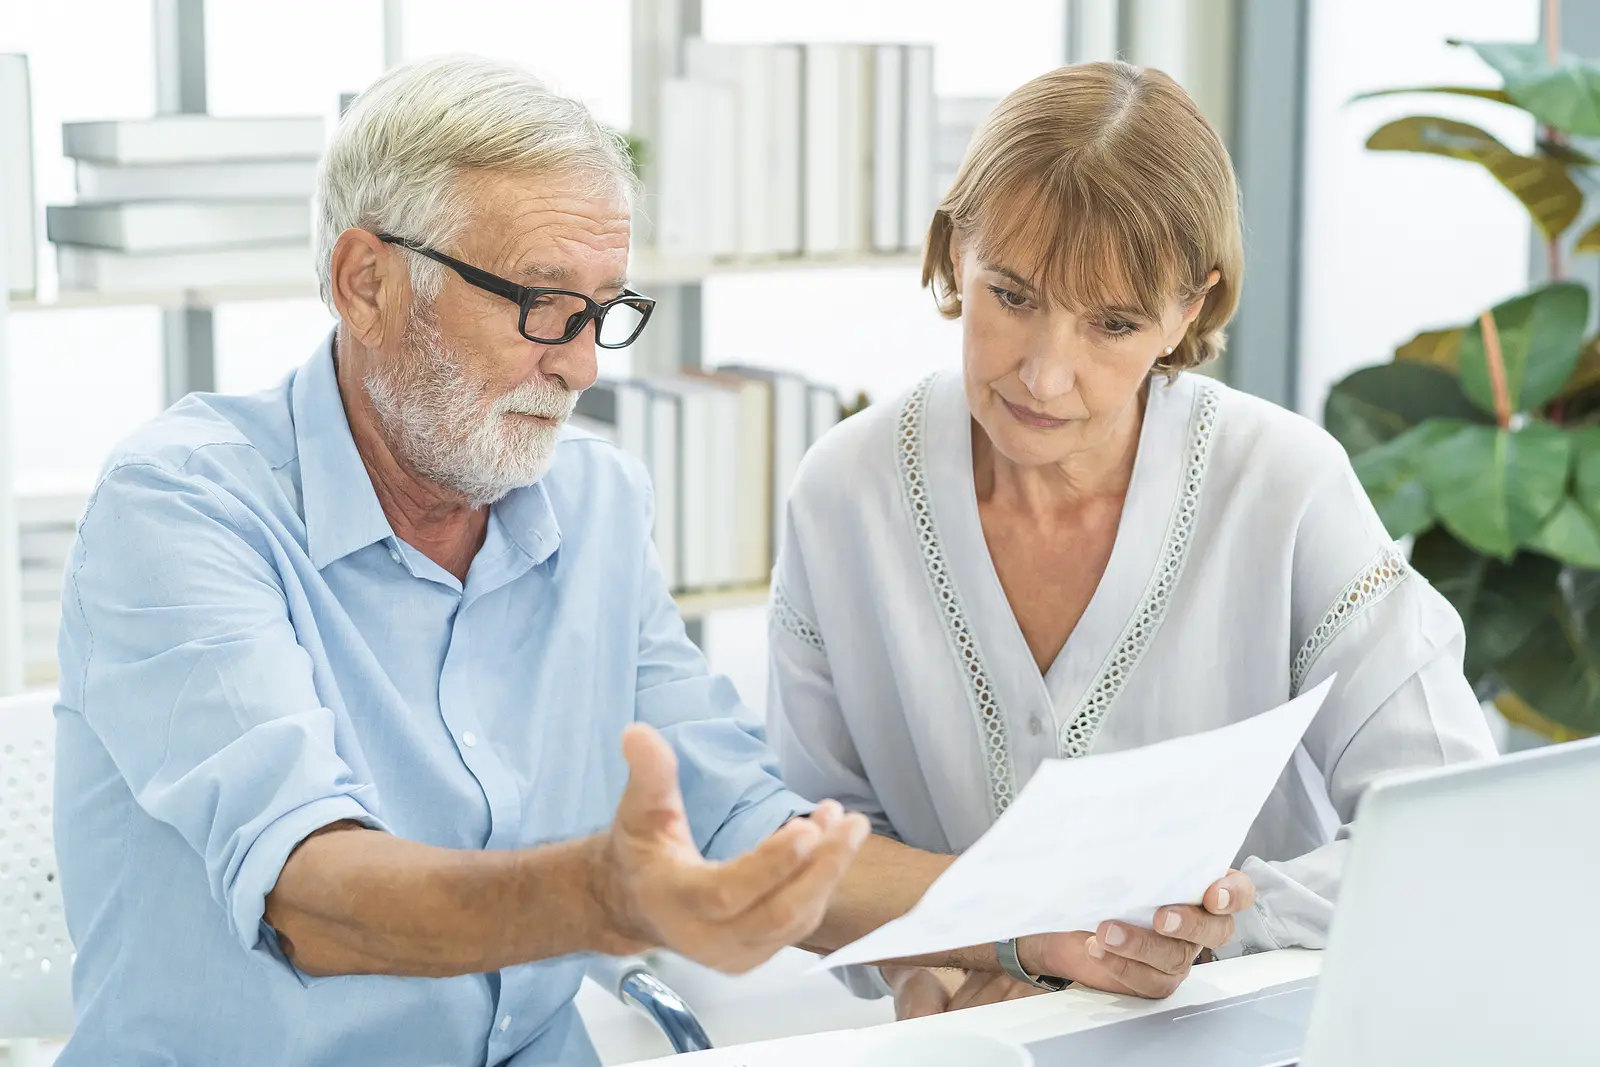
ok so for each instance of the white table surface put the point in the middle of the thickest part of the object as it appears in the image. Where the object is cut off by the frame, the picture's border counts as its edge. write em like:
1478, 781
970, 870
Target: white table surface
1028, 1020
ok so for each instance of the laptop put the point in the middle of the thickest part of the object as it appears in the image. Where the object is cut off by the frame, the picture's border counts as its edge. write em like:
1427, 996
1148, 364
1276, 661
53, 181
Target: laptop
1467, 933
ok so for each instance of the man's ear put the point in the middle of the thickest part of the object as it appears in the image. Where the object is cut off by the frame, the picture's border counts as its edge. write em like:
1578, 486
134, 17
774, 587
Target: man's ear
368, 282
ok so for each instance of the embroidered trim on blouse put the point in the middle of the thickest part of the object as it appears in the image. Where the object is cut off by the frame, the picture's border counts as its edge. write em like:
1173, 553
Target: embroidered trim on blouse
1376, 581
990, 721
1080, 730
795, 624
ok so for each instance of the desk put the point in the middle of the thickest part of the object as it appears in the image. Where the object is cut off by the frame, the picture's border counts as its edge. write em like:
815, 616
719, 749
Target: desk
1024, 1020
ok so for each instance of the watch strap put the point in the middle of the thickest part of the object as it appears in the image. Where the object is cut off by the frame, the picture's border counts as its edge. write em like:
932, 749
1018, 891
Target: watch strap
1011, 964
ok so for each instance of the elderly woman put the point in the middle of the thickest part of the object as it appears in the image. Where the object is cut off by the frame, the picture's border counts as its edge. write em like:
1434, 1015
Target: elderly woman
1078, 545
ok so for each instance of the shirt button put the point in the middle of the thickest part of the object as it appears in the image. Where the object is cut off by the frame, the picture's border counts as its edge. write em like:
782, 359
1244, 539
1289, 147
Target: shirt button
1035, 726
394, 555
469, 739
505, 1023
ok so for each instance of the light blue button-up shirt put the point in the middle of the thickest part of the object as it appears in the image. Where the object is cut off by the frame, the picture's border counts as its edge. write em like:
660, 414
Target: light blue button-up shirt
248, 653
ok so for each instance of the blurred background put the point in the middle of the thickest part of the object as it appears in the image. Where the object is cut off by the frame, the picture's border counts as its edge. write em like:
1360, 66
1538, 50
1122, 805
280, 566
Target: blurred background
792, 154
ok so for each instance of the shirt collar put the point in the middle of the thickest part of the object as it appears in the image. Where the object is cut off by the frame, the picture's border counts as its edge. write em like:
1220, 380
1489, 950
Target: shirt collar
341, 508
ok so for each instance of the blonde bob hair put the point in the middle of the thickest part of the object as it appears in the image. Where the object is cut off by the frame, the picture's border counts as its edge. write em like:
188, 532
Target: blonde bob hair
1104, 186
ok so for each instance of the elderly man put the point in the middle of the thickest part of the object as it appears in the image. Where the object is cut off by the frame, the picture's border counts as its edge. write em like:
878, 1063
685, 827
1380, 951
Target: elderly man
376, 715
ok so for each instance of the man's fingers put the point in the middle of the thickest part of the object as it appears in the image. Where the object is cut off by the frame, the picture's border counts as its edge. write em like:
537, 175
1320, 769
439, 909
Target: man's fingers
1138, 978
795, 907
1230, 894
651, 804
1195, 925
1163, 953
723, 891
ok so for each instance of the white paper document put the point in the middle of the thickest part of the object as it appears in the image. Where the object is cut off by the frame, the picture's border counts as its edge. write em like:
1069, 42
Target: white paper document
1104, 837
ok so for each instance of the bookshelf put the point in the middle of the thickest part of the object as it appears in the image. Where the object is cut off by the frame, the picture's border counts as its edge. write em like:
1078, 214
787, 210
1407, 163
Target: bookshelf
660, 29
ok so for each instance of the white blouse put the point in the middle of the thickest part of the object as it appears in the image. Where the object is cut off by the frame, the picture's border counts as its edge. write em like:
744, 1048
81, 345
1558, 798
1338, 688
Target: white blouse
1248, 565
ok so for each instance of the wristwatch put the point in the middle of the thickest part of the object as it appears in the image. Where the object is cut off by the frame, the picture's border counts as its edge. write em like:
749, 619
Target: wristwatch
1012, 965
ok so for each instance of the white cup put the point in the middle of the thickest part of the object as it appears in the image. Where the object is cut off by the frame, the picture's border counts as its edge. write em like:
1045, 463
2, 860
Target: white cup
919, 1047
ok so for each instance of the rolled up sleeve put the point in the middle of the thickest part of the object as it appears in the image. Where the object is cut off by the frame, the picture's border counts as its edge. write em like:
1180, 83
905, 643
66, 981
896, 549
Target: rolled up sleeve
729, 776
178, 651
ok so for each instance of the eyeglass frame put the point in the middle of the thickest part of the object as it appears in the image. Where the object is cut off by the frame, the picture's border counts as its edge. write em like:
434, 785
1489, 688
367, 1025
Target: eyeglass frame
524, 296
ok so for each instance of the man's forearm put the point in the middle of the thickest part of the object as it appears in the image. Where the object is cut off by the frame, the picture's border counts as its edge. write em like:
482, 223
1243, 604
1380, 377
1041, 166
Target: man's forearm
887, 879
357, 901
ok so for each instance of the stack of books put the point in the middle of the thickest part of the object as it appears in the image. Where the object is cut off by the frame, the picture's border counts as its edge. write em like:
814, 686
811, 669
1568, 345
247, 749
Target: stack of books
187, 201
722, 448
47, 524
785, 149
18, 234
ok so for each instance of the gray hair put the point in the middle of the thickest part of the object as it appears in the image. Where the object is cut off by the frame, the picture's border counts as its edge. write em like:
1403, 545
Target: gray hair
395, 158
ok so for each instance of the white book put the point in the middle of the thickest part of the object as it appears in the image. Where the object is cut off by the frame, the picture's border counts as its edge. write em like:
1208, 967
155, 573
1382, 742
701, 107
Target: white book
785, 150
105, 271
823, 412
193, 139
695, 468
752, 476
19, 236
790, 414
723, 475
838, 148
267, 179
698, 169
177, 226
922, 192
624, 408
888, 146
665, 477
743, 68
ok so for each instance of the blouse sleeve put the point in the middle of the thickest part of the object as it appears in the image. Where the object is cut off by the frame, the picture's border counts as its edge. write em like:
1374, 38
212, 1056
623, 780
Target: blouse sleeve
816, 755
1400, 702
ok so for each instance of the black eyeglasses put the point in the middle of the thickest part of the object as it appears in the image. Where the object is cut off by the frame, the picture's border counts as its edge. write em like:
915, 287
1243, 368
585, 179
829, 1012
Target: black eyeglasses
552, 316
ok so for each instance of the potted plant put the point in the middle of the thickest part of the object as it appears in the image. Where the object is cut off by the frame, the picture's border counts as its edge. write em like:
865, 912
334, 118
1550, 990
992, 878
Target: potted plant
1481, 441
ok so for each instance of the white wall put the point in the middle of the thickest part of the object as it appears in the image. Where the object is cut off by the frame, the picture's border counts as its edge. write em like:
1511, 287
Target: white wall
1395, 243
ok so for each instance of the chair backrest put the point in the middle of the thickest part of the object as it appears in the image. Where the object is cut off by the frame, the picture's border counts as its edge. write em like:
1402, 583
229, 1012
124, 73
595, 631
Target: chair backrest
36, 953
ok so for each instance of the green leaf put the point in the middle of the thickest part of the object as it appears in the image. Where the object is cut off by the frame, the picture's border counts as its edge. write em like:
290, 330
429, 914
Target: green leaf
1495, 488
1589, 240
1499, 96
1586, 374
1378, 403
1543, 185
1556, 668
1392, 475
1499, 603
1436, 348
1540, 336
1586, 468
1570, 535
1565, 95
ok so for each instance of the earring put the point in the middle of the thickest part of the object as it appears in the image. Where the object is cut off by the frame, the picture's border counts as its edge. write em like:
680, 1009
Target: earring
1169, 350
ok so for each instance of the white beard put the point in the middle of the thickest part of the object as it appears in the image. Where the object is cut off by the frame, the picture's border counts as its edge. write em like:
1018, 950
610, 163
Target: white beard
439, 421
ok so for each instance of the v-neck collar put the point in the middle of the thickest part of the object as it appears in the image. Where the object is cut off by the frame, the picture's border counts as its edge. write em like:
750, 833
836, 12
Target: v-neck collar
1096, 656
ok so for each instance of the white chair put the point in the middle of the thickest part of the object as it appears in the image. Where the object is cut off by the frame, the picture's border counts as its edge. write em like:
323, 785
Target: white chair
35, 951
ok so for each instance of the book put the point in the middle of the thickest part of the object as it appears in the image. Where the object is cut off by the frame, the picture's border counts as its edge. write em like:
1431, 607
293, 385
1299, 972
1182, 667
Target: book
176, 226
921, 192
958, 119
888, 147
665, 476
789, 413
19, 236
697, 466
698, 169
193, 139
106, 271
785, 150
838, 148
752, 475
623, 407
267, 179
824, 410
743, 70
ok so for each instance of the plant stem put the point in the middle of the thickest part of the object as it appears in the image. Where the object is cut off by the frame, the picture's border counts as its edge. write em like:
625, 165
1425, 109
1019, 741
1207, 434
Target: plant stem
1552, 50
1497, 369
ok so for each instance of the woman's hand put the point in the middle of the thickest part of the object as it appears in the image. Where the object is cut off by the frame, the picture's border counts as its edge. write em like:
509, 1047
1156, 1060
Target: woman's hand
1132, 960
